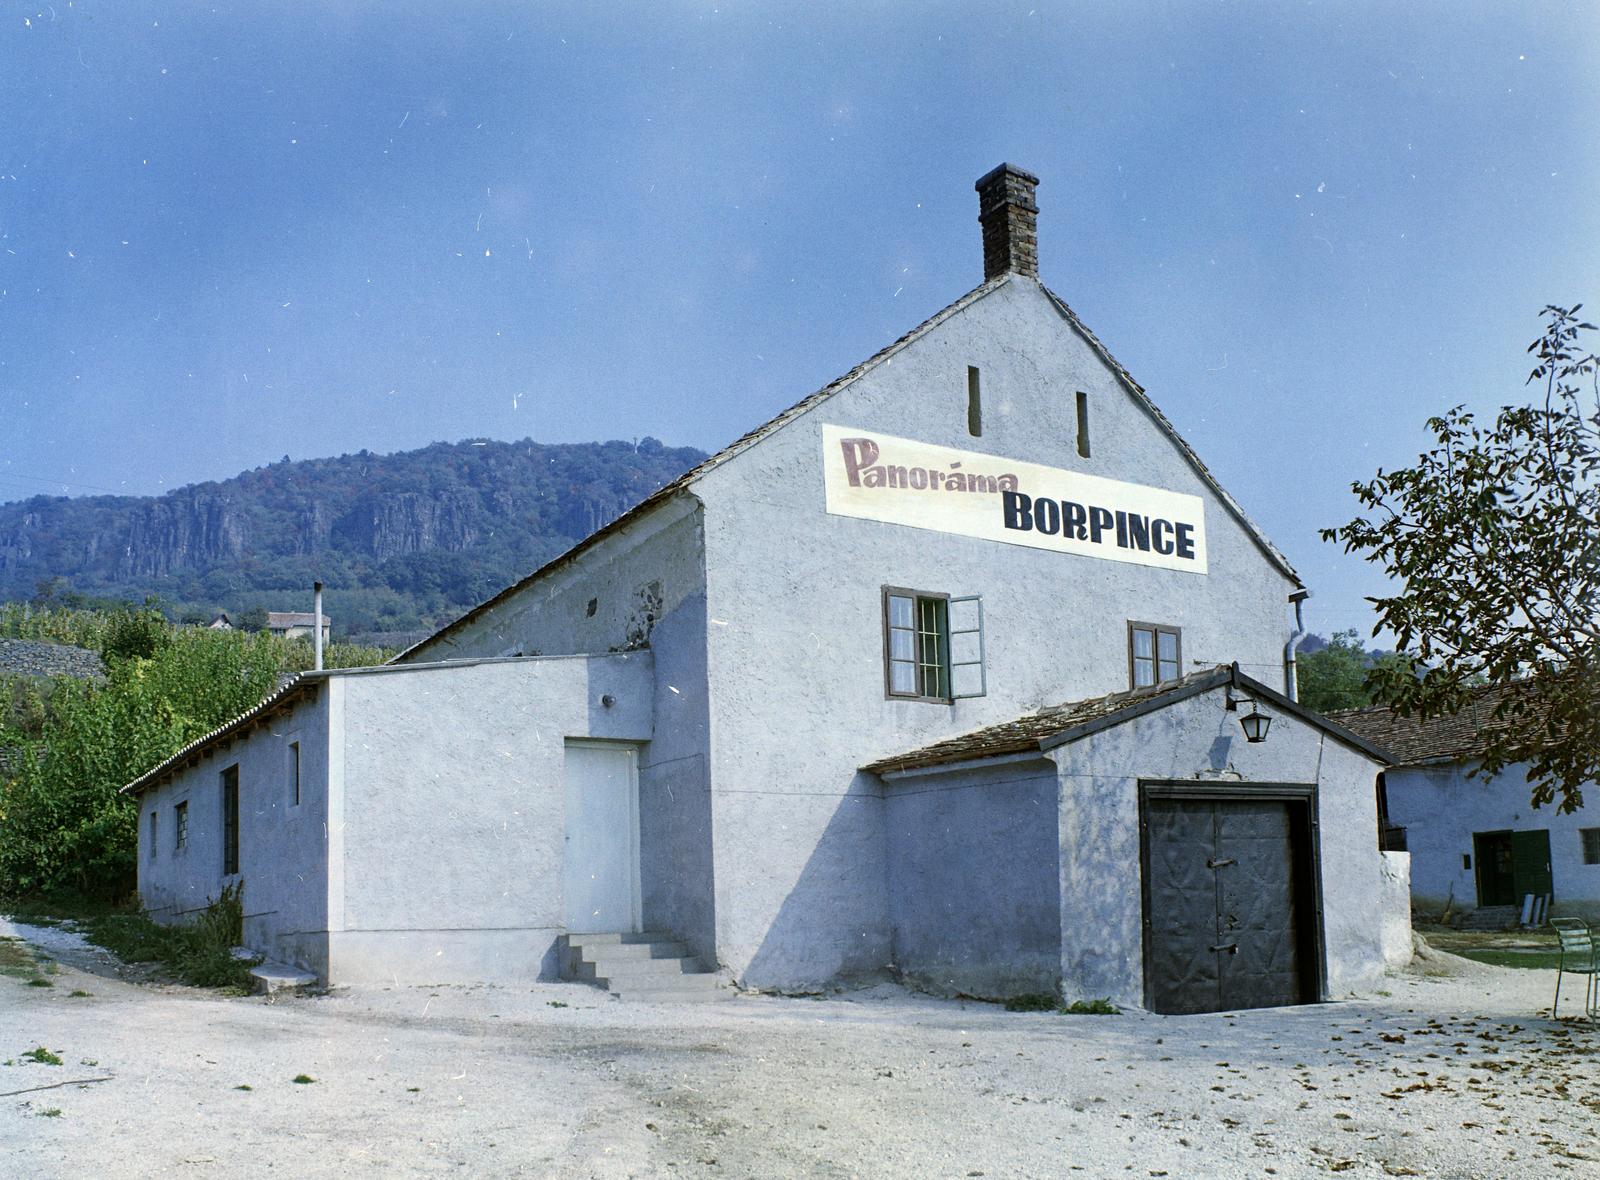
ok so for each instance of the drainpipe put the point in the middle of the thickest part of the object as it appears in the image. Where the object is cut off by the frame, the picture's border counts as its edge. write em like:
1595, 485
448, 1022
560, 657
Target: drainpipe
1291, 679
316, 623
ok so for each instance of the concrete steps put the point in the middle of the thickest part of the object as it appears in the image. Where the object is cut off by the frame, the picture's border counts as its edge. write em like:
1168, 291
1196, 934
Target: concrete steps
641, 967
1491, 917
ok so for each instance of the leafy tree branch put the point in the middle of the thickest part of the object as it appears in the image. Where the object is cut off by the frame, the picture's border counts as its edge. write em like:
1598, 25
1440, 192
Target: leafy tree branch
1494, 536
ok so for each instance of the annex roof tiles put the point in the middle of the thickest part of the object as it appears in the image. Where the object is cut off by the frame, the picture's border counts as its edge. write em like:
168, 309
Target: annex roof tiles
1443, 739
1060, 724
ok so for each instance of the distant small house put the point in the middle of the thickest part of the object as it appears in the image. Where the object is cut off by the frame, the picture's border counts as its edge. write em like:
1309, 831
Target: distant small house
293, 624
220, 623
1476, 843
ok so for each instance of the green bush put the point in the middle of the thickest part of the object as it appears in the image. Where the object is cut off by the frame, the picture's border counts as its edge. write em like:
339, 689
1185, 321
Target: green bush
77, 628
136, 634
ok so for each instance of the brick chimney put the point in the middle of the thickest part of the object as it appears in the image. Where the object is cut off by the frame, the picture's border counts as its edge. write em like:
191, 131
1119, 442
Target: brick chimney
1007, 212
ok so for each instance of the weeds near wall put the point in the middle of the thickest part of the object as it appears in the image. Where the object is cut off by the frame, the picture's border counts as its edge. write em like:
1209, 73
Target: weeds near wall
1045, 1002
201, 952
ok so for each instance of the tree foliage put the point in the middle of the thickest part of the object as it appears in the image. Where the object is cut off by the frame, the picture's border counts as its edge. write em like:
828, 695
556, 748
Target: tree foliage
1495, 538
1335, 676
63, 824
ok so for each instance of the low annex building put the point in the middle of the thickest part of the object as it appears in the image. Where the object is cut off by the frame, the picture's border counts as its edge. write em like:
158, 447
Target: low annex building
1477, 843
800, 711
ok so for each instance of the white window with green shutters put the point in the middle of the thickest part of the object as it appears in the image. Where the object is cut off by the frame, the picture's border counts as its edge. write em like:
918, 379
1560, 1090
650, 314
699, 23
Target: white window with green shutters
1155, 654
933, 645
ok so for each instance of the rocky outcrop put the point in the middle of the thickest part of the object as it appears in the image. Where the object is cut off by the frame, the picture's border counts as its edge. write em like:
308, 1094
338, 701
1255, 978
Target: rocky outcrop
590, 508
16, 546
314, 529
189, 530
413, 522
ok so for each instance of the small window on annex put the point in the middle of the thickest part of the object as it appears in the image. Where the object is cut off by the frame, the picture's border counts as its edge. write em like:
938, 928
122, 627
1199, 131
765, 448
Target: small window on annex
180, 826
230, 821
153, 833
294, 774
1591, 845
933, 645
1155, 654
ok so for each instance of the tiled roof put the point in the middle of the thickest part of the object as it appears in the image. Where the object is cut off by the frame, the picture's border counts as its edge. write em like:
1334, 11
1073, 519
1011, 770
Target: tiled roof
1027, 733
1060, 724
1444, 739
294, 618
827, 391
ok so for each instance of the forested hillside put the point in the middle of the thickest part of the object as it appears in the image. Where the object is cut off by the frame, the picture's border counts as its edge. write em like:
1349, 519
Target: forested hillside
400, 542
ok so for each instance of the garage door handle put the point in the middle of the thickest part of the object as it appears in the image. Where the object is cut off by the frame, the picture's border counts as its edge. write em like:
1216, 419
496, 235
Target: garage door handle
1217, 864
1231, 947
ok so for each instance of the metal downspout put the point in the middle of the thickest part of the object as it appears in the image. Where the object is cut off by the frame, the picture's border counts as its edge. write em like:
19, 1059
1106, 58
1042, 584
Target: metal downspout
1290, 673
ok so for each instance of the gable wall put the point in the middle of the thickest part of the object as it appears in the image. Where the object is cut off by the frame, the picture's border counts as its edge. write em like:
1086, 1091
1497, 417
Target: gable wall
1102, 908
794, 641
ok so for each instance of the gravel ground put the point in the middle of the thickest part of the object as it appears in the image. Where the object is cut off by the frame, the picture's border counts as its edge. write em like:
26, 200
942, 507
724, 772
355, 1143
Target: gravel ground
1446, 1072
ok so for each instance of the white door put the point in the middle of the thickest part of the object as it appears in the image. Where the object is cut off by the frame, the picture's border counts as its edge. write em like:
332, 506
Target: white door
602, 844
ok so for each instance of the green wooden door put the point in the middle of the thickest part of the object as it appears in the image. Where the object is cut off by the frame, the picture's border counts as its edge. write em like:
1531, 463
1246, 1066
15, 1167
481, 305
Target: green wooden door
1530, 863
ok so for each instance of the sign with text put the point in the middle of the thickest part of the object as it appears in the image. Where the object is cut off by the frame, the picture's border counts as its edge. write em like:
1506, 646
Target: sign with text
899, 481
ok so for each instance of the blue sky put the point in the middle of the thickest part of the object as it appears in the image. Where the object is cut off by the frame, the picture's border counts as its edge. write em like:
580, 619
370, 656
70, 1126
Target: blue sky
235, 232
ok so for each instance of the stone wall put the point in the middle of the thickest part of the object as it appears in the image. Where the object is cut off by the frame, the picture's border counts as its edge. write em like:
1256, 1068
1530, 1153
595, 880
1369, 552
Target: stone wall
28, 657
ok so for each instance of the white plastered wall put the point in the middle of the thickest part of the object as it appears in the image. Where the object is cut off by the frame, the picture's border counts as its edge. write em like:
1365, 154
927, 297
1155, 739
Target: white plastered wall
449, 816
1441, 806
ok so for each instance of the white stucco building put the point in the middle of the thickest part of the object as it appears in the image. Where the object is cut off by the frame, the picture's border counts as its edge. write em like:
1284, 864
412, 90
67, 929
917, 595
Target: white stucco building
1478, 843
773, 713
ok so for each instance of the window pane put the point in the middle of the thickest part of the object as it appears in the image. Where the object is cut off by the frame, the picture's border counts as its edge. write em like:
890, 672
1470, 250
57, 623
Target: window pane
1169, 670
1142, 645
900, 645
1168, 646
899, 611
933, 637
1143, 671
902, 676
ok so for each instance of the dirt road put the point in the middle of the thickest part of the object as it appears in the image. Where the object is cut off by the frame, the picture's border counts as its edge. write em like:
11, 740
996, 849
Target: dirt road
1433, 1076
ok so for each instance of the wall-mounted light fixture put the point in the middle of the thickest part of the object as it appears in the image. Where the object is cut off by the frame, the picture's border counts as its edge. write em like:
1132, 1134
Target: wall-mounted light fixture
1255, 724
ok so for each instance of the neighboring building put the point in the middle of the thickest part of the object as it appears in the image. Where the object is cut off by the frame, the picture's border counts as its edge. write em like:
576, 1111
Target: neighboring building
294, 624
220, 623
800, 710
1475, 842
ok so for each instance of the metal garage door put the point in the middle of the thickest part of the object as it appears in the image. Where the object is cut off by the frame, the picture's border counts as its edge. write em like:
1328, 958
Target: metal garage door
1226, 924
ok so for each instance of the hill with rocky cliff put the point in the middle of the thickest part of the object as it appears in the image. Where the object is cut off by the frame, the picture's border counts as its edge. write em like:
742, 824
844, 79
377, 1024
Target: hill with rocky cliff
400, 541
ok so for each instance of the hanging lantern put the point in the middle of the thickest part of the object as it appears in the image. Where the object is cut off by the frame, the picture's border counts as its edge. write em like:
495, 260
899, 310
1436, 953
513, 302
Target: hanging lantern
1255, 725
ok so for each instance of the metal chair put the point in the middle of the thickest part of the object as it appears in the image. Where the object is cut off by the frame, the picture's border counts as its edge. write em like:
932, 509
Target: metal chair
1577, 944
